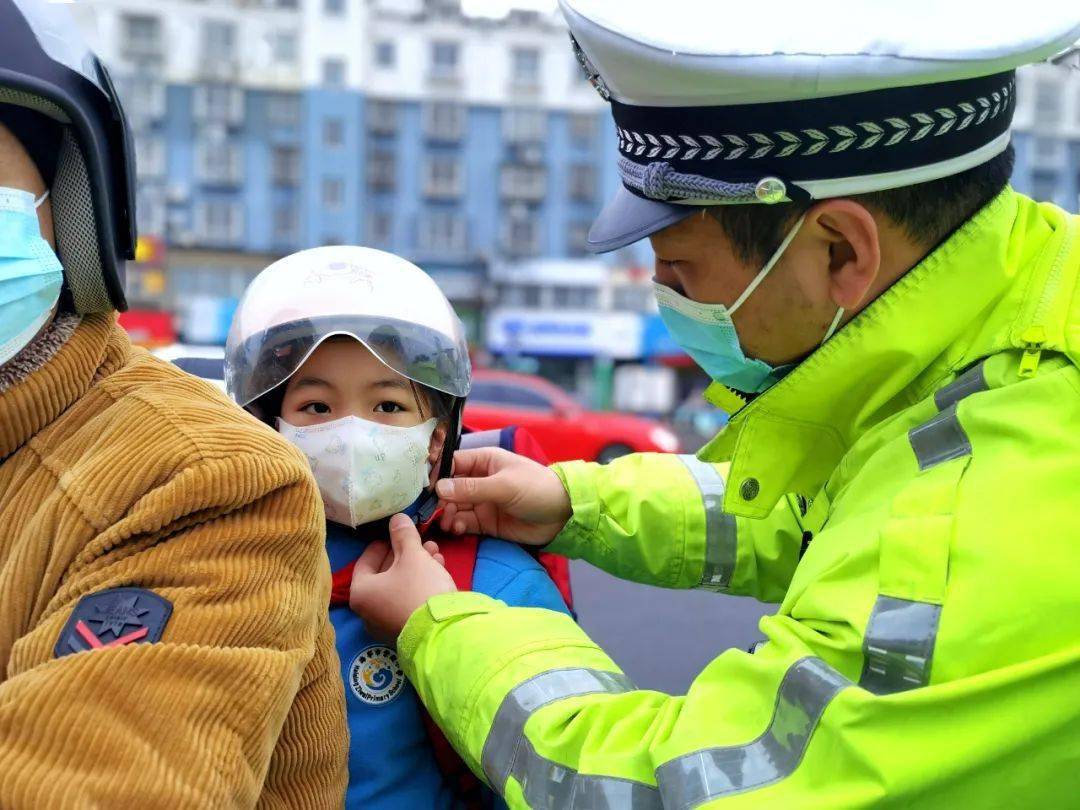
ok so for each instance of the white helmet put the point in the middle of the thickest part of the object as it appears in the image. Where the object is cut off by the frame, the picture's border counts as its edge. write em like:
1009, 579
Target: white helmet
390, 305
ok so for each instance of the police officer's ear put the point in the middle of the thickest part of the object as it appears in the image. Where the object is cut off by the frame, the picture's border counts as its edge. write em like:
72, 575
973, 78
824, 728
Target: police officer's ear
852, 238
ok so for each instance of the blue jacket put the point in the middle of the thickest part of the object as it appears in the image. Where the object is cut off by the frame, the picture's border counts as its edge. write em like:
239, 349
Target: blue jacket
391, 765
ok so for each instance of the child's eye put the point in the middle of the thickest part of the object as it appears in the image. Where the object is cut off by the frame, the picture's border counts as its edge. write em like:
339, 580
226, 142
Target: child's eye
389, 407
316, 408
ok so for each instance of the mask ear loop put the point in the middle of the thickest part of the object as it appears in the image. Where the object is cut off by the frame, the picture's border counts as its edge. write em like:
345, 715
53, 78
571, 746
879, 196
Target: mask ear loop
41, 199
769, 265
834, 325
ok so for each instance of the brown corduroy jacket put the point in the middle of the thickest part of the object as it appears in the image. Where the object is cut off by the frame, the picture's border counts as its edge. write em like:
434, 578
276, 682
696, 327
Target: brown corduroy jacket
117, 470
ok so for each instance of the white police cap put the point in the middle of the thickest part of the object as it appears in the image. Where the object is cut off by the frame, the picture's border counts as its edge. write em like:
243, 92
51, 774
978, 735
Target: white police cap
780, 100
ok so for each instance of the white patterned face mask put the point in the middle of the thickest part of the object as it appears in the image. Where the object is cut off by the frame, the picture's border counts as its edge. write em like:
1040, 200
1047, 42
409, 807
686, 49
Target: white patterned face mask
365, 470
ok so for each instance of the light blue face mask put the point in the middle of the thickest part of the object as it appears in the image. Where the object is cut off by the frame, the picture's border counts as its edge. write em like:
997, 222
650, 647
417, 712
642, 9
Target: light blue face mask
30, 273
708, 334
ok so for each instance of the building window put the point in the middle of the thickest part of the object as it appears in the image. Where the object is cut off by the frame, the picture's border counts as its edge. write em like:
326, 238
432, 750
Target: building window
1043, 187
219, 222
334, 8
141, 37
577, 237
283, 109
520, 295
144, 98
218, 104
381, 170
380, 228
522, 125
523, 182
521, 235
285, 165
382, 117
633, 298
444, 120
442, 232
1049, 151
333, 72
444, 59
284, 48
218, 44
582, 128
150, 157
151, 212
218, 161
286, 223
333, 193
333, 132
525, 66
1049, 102
442, 177
385, 54
582, 182
575, 297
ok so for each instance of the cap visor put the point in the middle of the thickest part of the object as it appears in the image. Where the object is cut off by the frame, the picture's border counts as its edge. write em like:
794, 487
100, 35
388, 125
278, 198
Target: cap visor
628, 218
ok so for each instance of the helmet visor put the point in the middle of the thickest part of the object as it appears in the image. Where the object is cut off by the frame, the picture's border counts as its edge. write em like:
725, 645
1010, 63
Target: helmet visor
265, 359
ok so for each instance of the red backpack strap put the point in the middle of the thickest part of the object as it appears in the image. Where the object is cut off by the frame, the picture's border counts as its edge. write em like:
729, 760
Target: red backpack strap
459, 554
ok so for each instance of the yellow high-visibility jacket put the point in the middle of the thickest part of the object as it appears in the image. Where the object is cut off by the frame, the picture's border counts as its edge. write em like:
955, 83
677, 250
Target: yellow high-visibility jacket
910, 494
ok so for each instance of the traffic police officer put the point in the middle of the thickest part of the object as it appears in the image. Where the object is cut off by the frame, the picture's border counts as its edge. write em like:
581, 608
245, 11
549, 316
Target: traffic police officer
825, 188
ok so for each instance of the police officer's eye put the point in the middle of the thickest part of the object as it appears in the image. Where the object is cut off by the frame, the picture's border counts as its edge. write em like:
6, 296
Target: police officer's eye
389, 407
316, 408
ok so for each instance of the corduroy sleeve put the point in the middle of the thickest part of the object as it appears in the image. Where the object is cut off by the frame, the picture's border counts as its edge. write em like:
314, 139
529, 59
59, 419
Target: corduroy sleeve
238, 703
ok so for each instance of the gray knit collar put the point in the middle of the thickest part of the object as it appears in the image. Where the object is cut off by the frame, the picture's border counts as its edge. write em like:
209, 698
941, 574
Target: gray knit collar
39, 351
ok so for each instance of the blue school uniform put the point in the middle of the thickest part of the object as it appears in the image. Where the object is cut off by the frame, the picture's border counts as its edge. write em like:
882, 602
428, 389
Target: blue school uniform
391, 764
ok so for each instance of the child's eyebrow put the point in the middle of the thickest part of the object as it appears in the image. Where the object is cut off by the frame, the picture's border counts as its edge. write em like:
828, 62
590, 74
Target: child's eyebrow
390, 383
311, 382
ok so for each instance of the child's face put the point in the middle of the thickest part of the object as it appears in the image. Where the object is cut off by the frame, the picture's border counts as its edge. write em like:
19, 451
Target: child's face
342, 378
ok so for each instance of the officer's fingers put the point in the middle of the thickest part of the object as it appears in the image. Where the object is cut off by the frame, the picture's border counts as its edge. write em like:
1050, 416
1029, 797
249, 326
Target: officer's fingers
404, 538
472, 462
495, 489
446, 519
431, 547
371, 561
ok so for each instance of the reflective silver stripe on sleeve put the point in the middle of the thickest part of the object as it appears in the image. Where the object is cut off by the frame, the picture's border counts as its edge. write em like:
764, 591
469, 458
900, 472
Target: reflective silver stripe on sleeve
941, 439
507, 752
899, 645
721, 540
807, 689
547, 784
970, 382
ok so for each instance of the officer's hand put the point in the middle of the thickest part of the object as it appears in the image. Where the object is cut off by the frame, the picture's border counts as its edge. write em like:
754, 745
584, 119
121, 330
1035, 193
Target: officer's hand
501, 494
390, 582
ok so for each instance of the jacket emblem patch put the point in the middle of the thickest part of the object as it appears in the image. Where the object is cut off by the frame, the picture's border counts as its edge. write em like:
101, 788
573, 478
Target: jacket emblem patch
114, 618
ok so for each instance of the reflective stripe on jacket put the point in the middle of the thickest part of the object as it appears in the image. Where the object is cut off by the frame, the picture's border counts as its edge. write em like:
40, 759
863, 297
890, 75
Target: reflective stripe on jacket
908, 494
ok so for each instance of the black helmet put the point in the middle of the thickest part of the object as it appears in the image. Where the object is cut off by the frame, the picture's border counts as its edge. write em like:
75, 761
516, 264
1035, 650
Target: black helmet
46, 67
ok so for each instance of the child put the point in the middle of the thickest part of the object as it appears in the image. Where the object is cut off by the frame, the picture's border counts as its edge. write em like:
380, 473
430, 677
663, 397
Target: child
358, 359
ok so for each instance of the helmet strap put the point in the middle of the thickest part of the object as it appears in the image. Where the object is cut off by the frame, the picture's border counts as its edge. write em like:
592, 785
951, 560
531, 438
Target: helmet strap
446, 465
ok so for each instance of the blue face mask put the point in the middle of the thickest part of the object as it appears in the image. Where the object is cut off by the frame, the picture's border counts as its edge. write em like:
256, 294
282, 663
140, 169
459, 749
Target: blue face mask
30, 273
708, 334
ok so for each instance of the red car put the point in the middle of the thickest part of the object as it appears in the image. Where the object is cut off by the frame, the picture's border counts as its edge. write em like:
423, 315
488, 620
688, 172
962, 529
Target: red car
563, 428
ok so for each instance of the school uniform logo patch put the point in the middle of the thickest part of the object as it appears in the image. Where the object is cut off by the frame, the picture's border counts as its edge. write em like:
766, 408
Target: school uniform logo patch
375, 676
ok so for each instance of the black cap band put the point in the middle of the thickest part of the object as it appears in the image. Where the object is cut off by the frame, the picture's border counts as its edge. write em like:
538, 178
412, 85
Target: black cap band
849, 136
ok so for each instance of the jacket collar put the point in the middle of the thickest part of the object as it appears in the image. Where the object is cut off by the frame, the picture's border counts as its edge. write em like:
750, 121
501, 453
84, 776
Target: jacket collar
96, 348
960, 303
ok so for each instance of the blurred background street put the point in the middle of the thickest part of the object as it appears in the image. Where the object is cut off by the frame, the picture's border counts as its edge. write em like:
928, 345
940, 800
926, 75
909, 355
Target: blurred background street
473, 146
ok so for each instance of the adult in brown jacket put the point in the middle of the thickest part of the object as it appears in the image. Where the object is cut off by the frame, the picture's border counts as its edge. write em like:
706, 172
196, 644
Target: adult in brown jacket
164, 639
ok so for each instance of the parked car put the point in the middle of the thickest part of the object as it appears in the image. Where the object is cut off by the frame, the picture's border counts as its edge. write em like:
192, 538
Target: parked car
559, 423
498, 399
